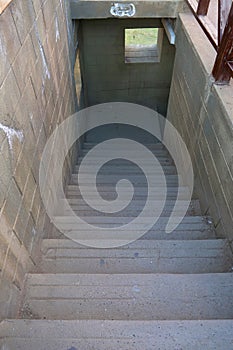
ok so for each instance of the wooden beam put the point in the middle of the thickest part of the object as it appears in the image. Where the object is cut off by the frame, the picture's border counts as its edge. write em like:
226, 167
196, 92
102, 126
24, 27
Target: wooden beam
224, 7
207, 26
223, 68
202, 8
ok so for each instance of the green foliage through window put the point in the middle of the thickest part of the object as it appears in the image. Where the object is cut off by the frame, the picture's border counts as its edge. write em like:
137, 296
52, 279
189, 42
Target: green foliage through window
141, 36
143, 45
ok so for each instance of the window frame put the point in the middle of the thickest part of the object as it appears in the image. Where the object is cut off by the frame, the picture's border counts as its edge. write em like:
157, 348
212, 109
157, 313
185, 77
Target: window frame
132, 54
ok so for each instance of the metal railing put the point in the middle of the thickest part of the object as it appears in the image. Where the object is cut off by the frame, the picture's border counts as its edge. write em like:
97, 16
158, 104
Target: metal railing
220, 37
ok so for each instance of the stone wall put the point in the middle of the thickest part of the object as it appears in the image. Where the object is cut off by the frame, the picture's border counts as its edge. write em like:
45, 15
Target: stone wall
106, 76
36, 94
203, 114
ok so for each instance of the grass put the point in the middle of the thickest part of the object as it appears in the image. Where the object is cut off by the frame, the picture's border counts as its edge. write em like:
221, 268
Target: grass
141, 36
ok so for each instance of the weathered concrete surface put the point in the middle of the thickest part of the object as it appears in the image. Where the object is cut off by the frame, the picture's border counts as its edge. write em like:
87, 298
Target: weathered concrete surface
86, 9
142, 256
112, 335
129, 296
203, 114
34, 60
80, 207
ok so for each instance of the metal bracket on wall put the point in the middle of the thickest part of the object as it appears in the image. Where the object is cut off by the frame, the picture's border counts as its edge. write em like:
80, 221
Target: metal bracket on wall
169, 31
123, 10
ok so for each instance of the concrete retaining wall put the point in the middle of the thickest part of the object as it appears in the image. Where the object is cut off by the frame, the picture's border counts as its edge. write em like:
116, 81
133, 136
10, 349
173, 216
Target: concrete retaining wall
108, 78
36, 93
203, 114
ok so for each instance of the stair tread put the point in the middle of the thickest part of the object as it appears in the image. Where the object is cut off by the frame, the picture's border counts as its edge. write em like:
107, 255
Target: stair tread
193, 234
121, 171
102, 159
134, 208
189, 224
125, 335
130, 296
141, 244
112, 280
117, 146
126, 168
135, 179
141, 256
107, 187
157, 145
139, 190
202, 221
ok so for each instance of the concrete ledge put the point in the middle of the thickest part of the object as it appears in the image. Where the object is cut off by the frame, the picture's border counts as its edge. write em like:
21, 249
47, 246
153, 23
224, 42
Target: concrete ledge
224, 95
199, 43
84, 9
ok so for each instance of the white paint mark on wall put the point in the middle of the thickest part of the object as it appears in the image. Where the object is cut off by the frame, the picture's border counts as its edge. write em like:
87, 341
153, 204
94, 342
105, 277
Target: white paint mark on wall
57, 30
46, 72
44, 61
33, 231
11, 134
2, 48
123, 10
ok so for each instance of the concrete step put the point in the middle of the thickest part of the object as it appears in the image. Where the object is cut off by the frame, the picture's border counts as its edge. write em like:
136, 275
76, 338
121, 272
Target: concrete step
84, 210
115, 151
133, 209
139, 190
187, 223
127, 169
113, 335
129, 296
161, 235
151, 146
141, 256
164, 160
113, 179
191, 227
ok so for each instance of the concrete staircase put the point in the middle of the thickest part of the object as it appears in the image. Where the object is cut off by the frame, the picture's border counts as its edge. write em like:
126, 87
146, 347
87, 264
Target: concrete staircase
163, 291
